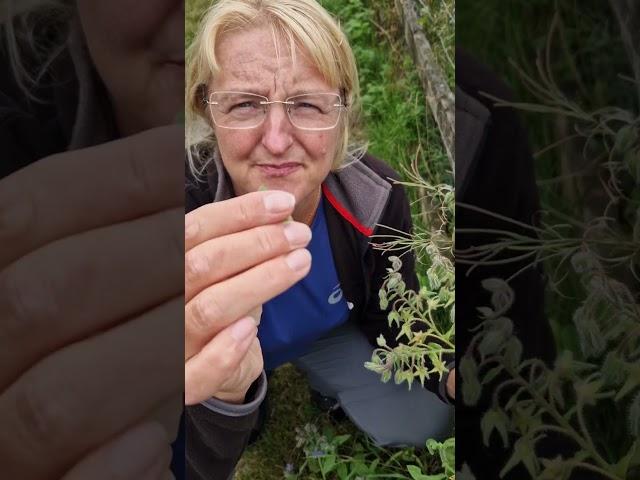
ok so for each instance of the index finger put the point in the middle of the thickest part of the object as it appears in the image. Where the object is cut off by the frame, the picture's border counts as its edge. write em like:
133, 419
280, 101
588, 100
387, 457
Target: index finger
236, 215
74, 192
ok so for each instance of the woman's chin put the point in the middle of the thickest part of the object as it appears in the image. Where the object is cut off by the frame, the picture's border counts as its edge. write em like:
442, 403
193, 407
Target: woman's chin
275, 184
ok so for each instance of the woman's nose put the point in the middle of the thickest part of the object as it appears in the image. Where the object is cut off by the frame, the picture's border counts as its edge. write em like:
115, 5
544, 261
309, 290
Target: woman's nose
277, 136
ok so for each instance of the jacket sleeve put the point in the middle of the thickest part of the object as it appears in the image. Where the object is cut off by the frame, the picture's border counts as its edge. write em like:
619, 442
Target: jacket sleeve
398, 217
217, 434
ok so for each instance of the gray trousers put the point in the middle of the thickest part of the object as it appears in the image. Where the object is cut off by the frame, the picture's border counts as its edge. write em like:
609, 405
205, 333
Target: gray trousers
390, 414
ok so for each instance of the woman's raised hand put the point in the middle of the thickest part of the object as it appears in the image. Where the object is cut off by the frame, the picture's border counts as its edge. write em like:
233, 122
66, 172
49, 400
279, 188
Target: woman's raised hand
238, 254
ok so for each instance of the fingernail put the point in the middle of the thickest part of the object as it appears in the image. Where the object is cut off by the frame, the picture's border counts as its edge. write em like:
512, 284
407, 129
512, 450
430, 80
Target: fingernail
138, 449
242, 329
298, 260
298, 234
277, 202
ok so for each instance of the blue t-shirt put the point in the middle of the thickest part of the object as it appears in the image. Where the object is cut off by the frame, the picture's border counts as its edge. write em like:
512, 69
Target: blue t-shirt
309, 309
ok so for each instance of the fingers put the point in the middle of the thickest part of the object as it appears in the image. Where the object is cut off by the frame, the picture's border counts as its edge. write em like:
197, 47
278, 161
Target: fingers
451, 383
75, 287
220, 258
221, 359
142, 452
235, 215
217, 306
134, 176
83, 395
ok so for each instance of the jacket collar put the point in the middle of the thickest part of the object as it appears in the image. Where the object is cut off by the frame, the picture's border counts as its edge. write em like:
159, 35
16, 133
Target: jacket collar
356, 192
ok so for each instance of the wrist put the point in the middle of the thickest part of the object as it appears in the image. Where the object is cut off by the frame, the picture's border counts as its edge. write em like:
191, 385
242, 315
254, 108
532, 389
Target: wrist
234, 398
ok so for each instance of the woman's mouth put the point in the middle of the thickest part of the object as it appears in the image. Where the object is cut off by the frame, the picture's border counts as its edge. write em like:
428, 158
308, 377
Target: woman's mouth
278, 170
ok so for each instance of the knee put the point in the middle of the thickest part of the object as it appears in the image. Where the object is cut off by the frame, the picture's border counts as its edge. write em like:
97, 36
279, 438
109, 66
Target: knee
404, 419
437, 424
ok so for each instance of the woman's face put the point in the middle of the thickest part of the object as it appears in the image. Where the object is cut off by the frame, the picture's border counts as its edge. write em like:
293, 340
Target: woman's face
137, 47
275, 154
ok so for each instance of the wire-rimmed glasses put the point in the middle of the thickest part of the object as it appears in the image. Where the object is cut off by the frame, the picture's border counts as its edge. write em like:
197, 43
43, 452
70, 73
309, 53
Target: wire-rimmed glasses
241, 110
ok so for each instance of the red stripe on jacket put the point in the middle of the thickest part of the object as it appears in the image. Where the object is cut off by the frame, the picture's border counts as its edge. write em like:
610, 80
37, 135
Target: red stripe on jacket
345, 213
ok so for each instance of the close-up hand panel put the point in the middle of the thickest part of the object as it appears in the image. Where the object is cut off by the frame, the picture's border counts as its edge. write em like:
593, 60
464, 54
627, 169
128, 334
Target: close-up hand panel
91, 225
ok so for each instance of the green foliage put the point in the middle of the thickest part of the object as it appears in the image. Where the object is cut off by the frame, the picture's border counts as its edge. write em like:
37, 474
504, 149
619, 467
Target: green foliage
194, 9
396, 121
328, 455
425, 319
437, 18
535, 399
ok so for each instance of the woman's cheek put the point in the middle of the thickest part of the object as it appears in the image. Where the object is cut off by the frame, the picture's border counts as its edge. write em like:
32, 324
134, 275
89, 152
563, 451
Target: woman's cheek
318, 146
234, 144
328, 148
323, 144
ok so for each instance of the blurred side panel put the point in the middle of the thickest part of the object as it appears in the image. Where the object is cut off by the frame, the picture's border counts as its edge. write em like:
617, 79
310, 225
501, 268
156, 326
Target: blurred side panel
91, 236
548, 239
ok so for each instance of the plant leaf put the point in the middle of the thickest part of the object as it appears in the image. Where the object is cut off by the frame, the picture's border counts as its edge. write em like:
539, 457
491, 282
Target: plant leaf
471, 388
416, 474
494, 419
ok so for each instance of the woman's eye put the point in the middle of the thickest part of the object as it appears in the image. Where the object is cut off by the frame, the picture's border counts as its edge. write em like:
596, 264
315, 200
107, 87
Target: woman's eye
244, 106
308, 106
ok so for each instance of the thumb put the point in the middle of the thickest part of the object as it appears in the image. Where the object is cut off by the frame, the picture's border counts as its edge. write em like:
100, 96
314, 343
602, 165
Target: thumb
218, 361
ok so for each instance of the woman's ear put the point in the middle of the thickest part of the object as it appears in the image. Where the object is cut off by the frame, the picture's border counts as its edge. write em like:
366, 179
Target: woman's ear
201, 96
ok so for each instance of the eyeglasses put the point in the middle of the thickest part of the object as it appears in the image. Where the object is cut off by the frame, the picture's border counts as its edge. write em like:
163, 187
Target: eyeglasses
239, 110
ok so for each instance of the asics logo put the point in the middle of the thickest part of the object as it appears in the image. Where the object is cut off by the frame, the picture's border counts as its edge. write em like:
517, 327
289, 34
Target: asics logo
336, 295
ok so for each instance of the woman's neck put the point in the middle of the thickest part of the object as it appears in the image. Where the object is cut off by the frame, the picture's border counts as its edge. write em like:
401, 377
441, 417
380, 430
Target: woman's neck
306, 210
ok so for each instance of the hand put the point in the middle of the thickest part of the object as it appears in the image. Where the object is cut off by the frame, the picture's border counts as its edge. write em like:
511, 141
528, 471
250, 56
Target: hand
451, 383
238, 255
90, 290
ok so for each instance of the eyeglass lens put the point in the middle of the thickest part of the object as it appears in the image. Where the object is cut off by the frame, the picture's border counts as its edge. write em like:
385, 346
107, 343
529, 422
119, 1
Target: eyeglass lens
247, 110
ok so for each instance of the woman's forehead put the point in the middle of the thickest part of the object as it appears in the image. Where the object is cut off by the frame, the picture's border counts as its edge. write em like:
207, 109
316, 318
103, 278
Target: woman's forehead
253, 57
263, 36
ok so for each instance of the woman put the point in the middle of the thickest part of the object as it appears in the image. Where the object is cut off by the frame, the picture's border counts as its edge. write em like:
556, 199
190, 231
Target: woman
272, 103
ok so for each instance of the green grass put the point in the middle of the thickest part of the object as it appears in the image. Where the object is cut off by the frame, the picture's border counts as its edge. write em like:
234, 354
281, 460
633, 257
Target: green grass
399, 130
438, 20
289, 407
193, 13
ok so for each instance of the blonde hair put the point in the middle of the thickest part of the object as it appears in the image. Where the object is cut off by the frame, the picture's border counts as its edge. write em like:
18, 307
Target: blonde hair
304, 23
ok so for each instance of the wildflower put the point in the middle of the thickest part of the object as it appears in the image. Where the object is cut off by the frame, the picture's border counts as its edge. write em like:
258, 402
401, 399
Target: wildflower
317, 454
